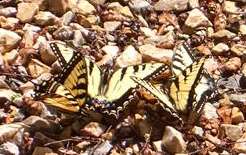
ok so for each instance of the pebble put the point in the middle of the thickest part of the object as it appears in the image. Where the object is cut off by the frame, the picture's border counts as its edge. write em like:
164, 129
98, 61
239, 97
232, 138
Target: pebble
83, 7
41, 150
111, 25
8, 39
230, 7
44, 18
129, 56
150, 52
47, 55
139, 5
233, 65
194, 4
30, 27
43, 4
210, 111
236, 115
173, 140
12, 132
220, 48
232, 132
239, 49
148, 32
98, 2
8, 11
67, 18
103, 148
174, 5
242, 29
223, 34
197, 19
11, 56
64, 33
9, 23
28, 39
157, 145
78, 39
197, 131
93, 129
111, 50
36, 68
240, 145
9, 148
169, 37
26, 11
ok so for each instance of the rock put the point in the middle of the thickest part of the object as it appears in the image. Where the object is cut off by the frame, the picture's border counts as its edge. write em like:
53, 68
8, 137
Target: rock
173, 140
238, 49
197, 131
103, 148
78, 40
111, 50
168, 38
139, 5
36, 68
47, 55
111, 25
98, 2
67, 18
11, 56
8, 11
213, 139
242, 29
175, 5
8, 39
236, 115
125, 11
26, 11
83, 7
220, 48
233, 65
196, 19
43, 4
58, 7
223, 34
30, 27
232, 132
158, 146
240, 145
9, 148
230, 7
148, 32
28, 39
93, 129
9, 23
194, 4
210, 111
64, 33
45, 18
129, 56
150, 52
41, 150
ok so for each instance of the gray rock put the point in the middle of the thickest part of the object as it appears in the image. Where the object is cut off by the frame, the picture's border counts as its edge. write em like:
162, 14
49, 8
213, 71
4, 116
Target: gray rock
173, 140
8, 11
67, 18
197, 19
232, 132
220, 48
176, 5
8, 39
223, 34
9, 148
210, 111
240, 145
45, 18
129, 56
26, 11
139, 5
111, 25
78, 39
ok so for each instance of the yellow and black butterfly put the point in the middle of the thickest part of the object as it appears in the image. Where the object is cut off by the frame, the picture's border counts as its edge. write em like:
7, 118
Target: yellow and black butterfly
81, 82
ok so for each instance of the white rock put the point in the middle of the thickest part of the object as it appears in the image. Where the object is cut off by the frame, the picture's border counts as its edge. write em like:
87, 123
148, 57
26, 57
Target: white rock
210, 111
139, 5
232, 132
42, 150
129, 56
196, 19
26, 11
230, 7
8, 11
111, 50
9, 148
198, 131
148, 32
67, 17
164, 5
83, 7
8, 39
111, 25
173, 140
242, 29
194, 4
11, 56
220, 48
45, 18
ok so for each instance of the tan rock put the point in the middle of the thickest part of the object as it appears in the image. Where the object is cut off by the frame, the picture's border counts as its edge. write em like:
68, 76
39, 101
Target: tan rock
230, 7
220, 48
94, 129
236, 115
233, 65
111, 25
164, 5
8, 39
58, 7
223, 34
36, 68
232, 132
242, 29
82, 6
45, 18
26, 11
238, 49
41, 150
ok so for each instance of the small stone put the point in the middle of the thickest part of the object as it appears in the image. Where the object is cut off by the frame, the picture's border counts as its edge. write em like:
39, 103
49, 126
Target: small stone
210, 111
151, 52
78, 39
26, 11
9, 23
103, 148
197, 131
28, 39
11, 56
233, 65
58, 7
43, 4
196, 19
129, 56
9, 148
64, 33
36, 68
111, 50
168, 38
148, 32
93, 129
230, 7
173, 140
232, 132
8, 39
238, 49
45, 18
213, 139
194, 4
111, 26
8, 11
30, 27
242, 29
139, 5
125, 11
220, 48
98, 2
41, 150
67, 18
240, 145
158, 146
47, 55
83, 7
236, 115
175, 5
223, 34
